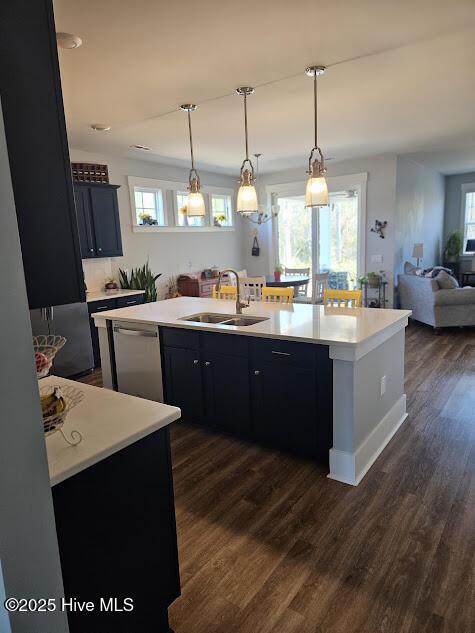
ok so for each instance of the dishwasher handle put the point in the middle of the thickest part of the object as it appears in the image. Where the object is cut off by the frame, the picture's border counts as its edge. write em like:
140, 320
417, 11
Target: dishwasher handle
130, 332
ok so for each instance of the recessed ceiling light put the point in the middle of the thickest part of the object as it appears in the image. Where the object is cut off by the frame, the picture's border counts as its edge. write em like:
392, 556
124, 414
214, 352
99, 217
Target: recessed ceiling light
144, 147
68, 40
100, 127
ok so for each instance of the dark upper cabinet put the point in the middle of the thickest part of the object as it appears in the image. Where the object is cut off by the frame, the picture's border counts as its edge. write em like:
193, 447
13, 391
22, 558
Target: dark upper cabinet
38, 153
98, 220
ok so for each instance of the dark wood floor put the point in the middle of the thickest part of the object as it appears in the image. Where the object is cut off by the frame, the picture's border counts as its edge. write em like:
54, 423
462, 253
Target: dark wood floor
268, 544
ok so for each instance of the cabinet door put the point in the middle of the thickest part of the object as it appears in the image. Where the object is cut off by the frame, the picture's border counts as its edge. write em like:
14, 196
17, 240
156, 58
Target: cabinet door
98, 306
38, 154
105, 215
183, 383
227, 393
83, 211
284, 402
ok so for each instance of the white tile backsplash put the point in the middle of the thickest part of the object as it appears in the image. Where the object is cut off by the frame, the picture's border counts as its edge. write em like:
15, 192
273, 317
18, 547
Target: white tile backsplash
96, 271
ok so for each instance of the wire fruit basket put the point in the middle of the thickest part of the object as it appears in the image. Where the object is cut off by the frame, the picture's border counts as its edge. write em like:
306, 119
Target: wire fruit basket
46, 347
56, 403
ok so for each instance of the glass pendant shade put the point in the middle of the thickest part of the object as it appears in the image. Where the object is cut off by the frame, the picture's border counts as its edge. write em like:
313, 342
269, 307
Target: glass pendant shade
316, 192
247, 199
195, 205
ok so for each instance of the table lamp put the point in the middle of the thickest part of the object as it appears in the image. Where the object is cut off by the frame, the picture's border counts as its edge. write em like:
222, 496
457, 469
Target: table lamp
470, 248
418, 252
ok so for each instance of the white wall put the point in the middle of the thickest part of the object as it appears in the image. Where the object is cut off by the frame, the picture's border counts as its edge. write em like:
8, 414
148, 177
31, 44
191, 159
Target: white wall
420, 195
28, 546
381, 193
168, 253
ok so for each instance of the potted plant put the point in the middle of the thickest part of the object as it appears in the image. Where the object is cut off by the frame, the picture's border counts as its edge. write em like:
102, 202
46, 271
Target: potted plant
140, 279
362, 280
111, 284
147, 219
373, 280
278, 272
219, 218
453, 247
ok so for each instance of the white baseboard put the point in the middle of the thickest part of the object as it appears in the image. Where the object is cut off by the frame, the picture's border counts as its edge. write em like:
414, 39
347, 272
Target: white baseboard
350, 468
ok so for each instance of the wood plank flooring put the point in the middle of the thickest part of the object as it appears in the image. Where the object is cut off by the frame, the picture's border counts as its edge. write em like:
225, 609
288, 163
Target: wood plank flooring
268, 544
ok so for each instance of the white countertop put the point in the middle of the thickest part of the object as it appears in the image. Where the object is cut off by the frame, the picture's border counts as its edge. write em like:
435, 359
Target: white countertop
98, 295
108, 421
299, 322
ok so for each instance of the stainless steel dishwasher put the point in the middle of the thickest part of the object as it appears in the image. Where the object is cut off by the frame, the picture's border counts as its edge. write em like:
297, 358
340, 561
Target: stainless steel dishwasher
137, 360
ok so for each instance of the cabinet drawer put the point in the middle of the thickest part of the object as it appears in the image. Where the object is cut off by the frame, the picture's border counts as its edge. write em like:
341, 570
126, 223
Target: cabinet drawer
102, 306
131, 300
297, 354
177, 337
225, 344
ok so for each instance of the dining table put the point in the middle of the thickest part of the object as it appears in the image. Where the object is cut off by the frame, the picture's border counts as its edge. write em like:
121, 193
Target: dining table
286, 281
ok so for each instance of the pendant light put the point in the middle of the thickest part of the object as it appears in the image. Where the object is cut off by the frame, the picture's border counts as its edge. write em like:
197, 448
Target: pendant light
247, 195
195, 205
316, 192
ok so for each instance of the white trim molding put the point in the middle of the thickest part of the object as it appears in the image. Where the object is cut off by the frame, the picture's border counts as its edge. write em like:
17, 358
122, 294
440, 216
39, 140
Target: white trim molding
350, 468
335, 184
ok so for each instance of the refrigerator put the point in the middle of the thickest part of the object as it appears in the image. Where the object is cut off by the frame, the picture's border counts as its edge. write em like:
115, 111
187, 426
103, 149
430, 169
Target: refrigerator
72, 322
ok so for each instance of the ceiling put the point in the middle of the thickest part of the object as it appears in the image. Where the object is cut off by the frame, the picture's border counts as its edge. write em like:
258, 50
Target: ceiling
400, 78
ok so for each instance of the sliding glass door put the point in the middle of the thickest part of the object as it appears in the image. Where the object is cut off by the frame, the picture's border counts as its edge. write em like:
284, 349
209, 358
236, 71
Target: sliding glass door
326, 239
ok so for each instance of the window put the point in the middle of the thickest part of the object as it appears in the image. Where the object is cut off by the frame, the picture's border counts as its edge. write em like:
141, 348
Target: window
182, 219
221, 212
157, 206
148, 206
469, 214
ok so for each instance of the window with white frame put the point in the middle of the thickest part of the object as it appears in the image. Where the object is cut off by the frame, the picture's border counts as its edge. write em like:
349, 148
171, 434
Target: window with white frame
468, 200
181, 219
160, 205
221, 209
149, 206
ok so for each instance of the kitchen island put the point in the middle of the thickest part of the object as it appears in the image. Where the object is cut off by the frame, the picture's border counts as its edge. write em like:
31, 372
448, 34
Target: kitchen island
114, 511
325, 382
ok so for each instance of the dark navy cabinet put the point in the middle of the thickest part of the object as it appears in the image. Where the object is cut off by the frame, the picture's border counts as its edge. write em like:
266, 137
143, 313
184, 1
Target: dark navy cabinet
38, 153
98, 219
276, 392
102, 306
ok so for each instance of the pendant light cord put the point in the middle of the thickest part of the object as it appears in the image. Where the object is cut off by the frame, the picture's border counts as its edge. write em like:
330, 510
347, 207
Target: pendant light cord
245, 126
315, 101
191, 142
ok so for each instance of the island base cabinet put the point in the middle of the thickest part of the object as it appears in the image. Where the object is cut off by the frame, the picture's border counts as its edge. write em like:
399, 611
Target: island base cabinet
117, 539
275, 391
227, 394
285, 408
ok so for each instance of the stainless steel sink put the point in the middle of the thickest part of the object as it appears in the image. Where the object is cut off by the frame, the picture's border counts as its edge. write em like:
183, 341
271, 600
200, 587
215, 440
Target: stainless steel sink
224, 319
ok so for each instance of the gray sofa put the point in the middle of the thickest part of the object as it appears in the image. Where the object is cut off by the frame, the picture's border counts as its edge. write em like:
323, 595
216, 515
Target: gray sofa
435, 306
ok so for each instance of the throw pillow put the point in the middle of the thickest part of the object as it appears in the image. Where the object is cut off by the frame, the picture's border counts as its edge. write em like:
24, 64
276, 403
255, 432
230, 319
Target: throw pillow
446, 281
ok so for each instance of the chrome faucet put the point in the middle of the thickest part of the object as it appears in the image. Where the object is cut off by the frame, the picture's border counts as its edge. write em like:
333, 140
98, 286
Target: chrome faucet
239, 304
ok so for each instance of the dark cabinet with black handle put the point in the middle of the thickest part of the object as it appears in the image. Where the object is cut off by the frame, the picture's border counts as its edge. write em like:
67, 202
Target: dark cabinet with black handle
98, 219
38, 153
274, 391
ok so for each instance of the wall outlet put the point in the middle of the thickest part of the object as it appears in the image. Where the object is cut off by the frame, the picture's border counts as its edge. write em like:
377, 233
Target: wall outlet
383, 385
376, 259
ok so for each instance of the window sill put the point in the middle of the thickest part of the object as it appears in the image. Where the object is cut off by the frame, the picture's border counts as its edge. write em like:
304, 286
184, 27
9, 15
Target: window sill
182, 229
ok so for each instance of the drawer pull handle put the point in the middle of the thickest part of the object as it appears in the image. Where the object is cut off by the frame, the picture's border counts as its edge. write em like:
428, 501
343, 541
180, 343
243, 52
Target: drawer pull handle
102, 308
207, 363
282, 353
256, 372
196, 361
129, 303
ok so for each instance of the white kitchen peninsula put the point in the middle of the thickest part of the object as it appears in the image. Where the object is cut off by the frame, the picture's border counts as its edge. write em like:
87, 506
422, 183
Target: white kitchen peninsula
364, 349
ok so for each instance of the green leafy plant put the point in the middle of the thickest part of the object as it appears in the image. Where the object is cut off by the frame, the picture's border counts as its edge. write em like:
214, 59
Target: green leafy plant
278, 269
453, 246
140, 279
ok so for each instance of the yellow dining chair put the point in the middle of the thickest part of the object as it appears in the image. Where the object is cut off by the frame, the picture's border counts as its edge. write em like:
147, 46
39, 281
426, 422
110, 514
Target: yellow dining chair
225, 292
342, 298
277, 295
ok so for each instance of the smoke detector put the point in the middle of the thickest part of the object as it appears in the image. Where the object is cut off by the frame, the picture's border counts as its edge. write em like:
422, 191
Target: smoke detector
100, 127
68, 40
